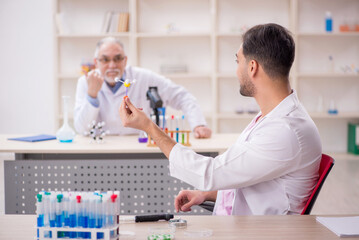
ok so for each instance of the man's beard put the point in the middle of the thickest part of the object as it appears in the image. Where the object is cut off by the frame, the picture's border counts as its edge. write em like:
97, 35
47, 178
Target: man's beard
111, 79
247, 89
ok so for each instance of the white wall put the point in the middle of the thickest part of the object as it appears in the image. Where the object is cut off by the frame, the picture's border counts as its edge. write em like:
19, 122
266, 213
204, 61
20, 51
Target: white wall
26, 67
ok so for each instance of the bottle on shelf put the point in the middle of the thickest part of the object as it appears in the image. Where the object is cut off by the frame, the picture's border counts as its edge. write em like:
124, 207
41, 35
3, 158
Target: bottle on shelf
328, 22
65, 133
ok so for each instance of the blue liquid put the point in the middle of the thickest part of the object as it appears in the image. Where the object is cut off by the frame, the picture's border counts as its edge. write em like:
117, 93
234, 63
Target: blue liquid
328, 25
66, 141
85, 224
72, 220
67, 222
73, 234
40, 220
99, 225
177, 134
58, 220
52, 223
92, 223
100, 235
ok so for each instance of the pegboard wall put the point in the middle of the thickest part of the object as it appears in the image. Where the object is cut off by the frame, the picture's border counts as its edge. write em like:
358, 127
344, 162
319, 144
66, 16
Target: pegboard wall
145, 185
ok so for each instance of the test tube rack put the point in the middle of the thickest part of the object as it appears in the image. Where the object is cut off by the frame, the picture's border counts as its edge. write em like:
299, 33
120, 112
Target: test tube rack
45, 233
173, 134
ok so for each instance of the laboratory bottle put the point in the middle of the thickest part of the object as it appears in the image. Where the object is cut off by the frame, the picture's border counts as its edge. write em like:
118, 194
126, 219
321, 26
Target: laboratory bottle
65, 133
328, 22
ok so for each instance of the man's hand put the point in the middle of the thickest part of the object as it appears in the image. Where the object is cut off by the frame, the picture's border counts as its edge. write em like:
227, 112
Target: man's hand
202, 132
187, 198
133, 117
94, 83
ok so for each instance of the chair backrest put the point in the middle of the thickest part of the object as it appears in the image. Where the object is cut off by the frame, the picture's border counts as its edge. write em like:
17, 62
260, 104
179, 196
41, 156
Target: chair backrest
326, 165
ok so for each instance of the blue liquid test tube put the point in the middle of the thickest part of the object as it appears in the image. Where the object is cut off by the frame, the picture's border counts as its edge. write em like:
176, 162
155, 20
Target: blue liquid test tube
72, 215
65, 212
92, 212
182, 126
39, 212
99, 216
177, 129
59, 206
85, 215
79, 214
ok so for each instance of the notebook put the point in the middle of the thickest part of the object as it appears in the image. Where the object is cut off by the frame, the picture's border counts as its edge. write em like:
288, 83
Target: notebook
37, 138
341, 226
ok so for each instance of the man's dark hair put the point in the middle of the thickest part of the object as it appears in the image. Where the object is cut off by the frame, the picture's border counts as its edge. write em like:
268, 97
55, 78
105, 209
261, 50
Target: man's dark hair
272, 46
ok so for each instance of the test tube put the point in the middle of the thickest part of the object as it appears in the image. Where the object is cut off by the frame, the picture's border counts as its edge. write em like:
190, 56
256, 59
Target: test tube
92, 211
58, 212
182, 127
166, 128
39, 212
79, 213
52, 213
73, 216
99, 215
112, 213
66, 204
118, 206
85, 214
177, 129
171, 127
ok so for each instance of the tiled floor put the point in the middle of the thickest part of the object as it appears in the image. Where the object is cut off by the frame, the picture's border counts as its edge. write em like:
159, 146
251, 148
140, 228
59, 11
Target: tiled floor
339, 195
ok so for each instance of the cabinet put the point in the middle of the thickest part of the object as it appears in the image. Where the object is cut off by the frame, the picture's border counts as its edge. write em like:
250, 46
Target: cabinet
204, 35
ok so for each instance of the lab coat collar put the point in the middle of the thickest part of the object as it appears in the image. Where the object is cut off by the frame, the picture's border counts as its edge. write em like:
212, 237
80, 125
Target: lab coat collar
286, 106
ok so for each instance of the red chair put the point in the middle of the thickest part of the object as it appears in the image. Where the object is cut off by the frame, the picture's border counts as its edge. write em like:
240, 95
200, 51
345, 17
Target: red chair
326, 165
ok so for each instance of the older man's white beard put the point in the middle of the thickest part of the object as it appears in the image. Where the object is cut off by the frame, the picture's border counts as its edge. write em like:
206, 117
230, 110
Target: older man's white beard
112, 78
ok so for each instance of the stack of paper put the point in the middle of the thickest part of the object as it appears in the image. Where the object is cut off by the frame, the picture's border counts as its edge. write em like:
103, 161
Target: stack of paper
341, 226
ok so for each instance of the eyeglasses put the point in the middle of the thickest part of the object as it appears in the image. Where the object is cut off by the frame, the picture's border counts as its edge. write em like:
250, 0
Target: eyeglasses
117, 59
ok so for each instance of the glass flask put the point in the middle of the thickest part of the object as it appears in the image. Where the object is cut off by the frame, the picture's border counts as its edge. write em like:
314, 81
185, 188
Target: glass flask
65, 134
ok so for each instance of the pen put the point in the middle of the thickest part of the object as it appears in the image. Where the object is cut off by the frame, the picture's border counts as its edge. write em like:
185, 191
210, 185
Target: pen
153, 218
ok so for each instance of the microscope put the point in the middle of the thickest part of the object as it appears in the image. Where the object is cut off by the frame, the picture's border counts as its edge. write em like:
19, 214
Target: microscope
155, 102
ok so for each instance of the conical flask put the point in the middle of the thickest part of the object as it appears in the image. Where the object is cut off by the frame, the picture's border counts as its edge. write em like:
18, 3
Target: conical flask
65, 133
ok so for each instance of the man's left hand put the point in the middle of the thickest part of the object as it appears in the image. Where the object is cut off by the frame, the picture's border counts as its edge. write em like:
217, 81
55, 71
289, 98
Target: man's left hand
202, 132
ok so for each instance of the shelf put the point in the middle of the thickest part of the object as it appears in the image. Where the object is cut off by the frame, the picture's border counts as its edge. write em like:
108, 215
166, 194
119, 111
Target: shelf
234, 34
228, 115
343, 156
328, 75
69, 76
227, 75
343, 115
186, 75
333, 34
172, 34
100, 35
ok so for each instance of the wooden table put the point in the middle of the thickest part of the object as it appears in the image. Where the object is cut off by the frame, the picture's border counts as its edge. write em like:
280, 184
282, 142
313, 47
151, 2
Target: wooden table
113, 144
223, 227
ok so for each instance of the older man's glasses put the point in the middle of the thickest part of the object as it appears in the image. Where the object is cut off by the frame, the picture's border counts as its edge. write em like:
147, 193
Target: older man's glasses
117, 59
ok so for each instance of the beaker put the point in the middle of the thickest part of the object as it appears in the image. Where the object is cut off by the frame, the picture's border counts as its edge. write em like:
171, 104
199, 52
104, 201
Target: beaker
65, 134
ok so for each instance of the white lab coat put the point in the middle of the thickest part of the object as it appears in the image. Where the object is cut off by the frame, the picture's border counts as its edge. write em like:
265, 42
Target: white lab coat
171, 94
273, 166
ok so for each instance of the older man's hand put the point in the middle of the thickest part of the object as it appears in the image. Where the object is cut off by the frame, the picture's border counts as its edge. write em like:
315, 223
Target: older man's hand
202, 132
